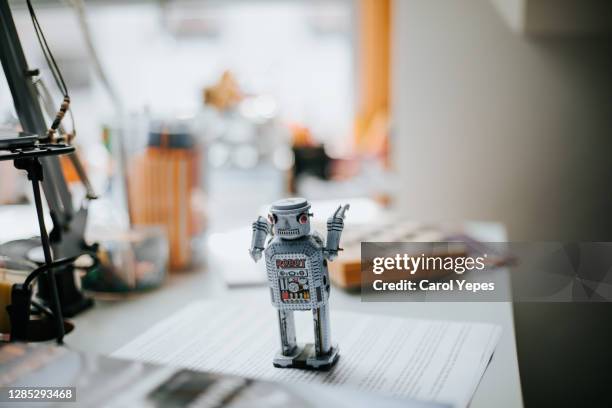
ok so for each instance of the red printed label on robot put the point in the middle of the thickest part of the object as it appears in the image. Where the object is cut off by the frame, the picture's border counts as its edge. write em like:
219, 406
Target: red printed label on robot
290, 263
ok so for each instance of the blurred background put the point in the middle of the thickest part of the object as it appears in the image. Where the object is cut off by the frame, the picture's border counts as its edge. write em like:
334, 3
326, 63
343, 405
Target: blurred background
197, 114
488, 110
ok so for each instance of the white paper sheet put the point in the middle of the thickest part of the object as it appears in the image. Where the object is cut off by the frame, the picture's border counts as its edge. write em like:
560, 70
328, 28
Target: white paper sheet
426, 360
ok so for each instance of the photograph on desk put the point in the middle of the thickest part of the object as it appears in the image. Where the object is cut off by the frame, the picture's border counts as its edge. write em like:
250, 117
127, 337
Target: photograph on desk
330, 203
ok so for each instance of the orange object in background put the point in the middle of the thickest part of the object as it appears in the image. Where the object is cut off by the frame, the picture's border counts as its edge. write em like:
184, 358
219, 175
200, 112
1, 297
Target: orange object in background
68, 169
164, 190
225, 94
301, 136
373, 77
5, 300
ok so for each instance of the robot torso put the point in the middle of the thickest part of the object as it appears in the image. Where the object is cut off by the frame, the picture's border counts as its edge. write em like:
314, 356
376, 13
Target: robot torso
297, 273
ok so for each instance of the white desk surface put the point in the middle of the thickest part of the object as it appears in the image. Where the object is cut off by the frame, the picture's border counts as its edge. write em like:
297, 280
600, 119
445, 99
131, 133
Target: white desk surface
109, 325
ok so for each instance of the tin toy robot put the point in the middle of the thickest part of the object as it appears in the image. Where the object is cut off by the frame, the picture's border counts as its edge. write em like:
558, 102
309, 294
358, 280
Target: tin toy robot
296, 264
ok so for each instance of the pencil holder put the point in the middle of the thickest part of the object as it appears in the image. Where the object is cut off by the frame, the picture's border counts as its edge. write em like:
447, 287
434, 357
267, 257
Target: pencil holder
165, 189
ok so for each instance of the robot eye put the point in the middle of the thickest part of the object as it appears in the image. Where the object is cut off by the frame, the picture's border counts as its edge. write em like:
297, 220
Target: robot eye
303, 218
272, 218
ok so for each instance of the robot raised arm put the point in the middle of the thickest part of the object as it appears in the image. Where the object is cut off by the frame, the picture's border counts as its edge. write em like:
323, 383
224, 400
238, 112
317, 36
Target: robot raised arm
335, 225
258, 240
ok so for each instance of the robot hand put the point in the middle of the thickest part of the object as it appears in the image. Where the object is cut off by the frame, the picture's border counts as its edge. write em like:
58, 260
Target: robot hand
256, 253
258, 240
335, 226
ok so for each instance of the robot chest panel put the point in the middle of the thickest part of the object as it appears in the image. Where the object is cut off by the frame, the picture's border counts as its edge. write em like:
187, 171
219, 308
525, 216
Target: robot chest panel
296, 278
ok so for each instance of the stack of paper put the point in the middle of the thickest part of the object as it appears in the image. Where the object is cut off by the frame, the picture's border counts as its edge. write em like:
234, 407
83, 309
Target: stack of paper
425, 360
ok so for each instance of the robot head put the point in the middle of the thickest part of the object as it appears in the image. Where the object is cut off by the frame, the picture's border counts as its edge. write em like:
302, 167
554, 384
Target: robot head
290, 218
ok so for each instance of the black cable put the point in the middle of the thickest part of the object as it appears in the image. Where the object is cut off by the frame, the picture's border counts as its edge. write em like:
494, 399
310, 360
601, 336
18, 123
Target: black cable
47, 104
42, 308
55, 71
55, 264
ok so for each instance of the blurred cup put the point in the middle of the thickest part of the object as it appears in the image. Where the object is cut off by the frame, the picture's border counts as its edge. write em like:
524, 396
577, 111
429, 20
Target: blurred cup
128, 261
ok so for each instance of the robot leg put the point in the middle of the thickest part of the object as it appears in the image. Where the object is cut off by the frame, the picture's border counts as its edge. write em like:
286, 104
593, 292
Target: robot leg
286, 324
322, 330
319, 356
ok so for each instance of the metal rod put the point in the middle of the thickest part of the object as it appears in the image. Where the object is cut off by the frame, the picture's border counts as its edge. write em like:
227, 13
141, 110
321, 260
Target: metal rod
44, 237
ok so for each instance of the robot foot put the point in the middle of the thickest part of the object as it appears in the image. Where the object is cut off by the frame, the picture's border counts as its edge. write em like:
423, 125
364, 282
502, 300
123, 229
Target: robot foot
305, 357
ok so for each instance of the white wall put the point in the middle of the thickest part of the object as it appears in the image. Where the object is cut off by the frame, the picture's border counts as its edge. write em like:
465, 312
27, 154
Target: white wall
490, 125
274, 48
